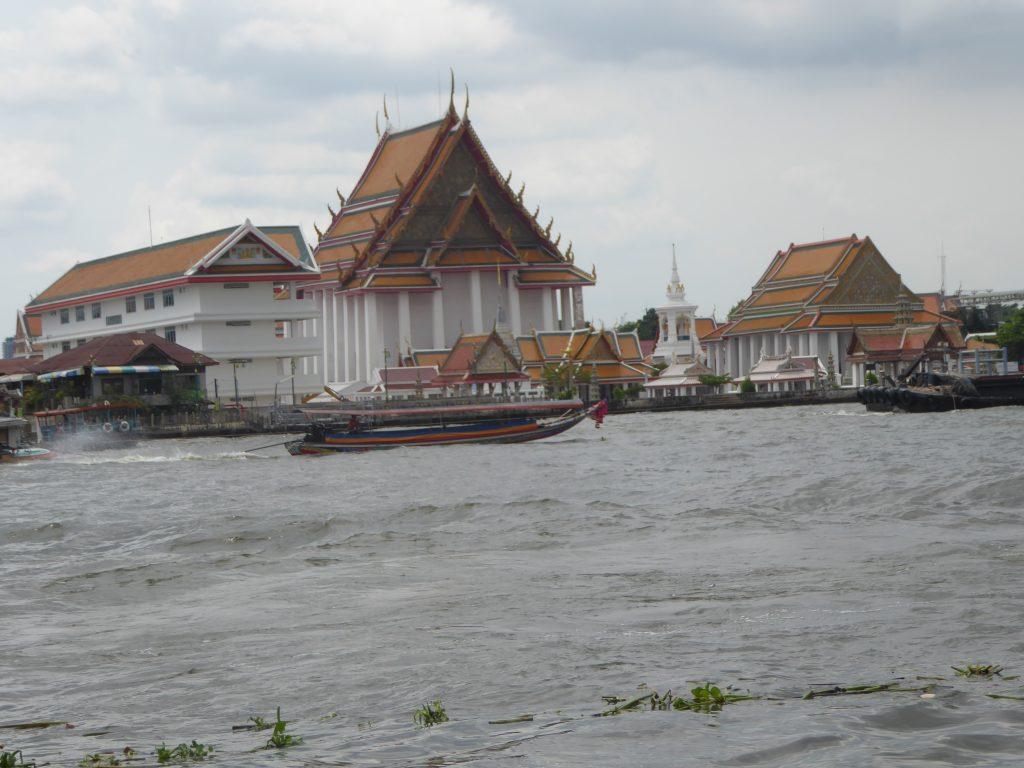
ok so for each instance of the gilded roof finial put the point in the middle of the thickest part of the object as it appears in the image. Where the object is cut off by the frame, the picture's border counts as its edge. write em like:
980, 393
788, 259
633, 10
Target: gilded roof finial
319, 234
465, 109
593, 272
376, 224
387, 118
536, 212
376, 124
508, 179
341, 197
519, 195
558, 239
398, 179
569, 254
330, 211
547, 229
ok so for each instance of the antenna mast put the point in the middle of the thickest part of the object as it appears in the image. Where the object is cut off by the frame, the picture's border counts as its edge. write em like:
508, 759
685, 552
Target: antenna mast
942, 264
149, 213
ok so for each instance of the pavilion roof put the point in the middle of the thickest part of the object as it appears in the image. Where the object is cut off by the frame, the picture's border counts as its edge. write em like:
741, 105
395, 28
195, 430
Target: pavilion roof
122, 349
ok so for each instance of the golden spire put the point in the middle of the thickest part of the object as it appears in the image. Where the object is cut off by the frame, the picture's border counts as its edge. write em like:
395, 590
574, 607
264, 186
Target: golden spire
341, 197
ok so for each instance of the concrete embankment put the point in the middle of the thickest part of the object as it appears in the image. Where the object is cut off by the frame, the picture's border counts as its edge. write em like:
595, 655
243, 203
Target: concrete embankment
736, 400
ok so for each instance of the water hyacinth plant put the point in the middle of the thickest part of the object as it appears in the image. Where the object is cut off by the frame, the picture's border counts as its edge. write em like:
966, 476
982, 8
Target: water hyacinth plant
279, 739
183, 752
978, 670
430, 714
12, 759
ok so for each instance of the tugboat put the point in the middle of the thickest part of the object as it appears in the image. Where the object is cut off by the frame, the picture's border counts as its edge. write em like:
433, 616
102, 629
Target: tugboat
365, 429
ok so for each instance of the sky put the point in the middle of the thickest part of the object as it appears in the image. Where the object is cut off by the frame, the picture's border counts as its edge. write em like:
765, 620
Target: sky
730, 128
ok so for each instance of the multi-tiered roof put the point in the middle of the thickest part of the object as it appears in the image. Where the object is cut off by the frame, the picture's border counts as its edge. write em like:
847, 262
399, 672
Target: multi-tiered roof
827, 286
431, 200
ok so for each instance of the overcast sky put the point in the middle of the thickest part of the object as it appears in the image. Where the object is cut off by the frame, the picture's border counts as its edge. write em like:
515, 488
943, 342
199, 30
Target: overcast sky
730, 128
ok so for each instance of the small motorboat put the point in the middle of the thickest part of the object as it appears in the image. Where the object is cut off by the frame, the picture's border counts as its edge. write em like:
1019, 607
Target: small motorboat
448, 429
8, 454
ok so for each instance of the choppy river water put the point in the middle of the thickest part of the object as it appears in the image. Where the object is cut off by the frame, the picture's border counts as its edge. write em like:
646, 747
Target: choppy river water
169, 591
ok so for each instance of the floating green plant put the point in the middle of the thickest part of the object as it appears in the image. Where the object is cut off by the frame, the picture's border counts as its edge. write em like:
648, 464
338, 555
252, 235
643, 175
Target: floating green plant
430, 713
706, 698
979, 670
259, 724
279, 739
99, 760
13, 759
183, 752
854, 690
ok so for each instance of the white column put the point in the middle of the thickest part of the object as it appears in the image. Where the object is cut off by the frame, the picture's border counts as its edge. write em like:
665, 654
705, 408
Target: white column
358, 337
744, 356
546, 305
325, 326
476, 302
833, 341
563, 295
577, 307
404, 324
732, 349
372, 332
671, 330
554, 309
346, 338
437, 312
514, 313
335, 326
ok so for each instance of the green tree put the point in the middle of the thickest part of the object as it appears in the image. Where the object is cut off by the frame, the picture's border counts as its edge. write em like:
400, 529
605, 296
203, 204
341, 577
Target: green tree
646, 327
1011, 335
747, 386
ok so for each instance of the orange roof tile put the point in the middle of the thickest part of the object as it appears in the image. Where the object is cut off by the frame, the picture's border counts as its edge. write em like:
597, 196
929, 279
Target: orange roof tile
785, 295
401, 154
351, 223
554, 277
853, 319
430, 357
474, 256
804, 321
379, 280
752, 324
629, 347
528, 349
705, 325
812, 258
158, 262
554, 344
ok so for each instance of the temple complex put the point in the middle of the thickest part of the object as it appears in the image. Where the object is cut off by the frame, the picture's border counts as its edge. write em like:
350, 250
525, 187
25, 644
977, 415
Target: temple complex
810, 301
433, 243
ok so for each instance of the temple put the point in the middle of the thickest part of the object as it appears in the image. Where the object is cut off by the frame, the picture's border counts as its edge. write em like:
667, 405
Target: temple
809, 302
431, 244
678, 340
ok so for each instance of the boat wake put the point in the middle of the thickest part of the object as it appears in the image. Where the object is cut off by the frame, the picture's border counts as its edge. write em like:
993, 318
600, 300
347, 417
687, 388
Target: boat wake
143, 459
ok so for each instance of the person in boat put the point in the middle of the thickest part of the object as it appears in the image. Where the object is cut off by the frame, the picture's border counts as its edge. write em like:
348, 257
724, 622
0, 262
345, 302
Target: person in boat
600, 410
353, 423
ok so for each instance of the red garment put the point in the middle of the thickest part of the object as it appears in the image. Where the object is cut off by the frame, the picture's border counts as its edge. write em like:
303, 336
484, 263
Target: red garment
599, 412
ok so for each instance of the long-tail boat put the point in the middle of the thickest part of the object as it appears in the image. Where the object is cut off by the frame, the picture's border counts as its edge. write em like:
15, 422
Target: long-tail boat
367, 430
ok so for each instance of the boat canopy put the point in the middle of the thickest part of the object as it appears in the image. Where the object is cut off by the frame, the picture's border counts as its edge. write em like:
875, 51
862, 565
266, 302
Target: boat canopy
14, 378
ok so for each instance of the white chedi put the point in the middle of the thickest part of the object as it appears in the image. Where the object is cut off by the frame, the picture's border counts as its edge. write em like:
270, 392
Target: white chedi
677, 323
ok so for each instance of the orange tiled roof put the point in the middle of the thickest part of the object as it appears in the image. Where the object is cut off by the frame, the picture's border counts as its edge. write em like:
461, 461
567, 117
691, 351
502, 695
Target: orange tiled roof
705, 325
380, 280
474, 256
749, 325
804, 321
435, 357
629, 347
554, 344
812, 259
399, 154
570, 275
784, 295
158, 262
529, 350
34, 326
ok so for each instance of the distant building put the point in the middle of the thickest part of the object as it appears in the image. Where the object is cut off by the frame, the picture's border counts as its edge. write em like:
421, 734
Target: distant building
429, 244
140, 365
27, 329
679, 328
810, 301
891, 350
229, 294
7, 351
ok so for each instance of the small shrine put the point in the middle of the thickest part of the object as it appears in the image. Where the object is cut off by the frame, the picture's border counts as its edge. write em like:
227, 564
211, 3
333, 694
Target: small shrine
678, 339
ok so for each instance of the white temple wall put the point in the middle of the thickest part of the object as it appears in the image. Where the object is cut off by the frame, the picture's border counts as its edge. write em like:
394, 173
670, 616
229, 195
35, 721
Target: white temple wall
387, 317
422, 320
530, 305
489, 289
457, 310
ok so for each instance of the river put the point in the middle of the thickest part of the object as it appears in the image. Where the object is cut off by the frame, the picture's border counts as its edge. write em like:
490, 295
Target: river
169, 591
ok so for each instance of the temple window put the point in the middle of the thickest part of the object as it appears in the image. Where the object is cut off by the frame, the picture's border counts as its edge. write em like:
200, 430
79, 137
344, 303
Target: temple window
80, 313
148, 301
65, 316
129, 303
168, 297
97, 311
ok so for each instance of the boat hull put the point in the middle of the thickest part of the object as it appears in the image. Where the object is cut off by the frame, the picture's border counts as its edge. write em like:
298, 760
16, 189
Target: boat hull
25, 454
918, 400
511, 431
